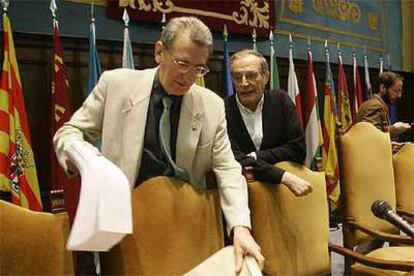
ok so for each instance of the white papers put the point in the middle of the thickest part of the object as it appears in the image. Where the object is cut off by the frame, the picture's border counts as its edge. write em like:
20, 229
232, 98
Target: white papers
223, 263
104, 214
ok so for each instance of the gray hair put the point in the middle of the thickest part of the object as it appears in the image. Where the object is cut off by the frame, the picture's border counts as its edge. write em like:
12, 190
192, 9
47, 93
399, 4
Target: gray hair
196, 30
249, 52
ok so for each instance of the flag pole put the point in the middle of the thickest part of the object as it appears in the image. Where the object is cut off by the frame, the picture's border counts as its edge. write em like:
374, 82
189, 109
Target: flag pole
163, 21
5, 4
53, 8
381, 64
127, 53
254, 36
93, 11
228, 84
272, 54
125, 18
389, 61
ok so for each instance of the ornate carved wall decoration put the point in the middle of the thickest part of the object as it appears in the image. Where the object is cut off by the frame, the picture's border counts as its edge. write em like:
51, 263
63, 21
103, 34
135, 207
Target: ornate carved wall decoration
338, 9
357, 24
239, 16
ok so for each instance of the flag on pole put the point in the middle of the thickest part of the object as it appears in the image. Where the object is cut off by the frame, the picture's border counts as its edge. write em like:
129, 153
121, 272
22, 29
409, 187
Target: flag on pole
274, 69
94, 68
329, 152
344, 106
61, 112
254, 36
228, 84
17, 165
368, 93
127, 54
293, 87
311, 120
358, 97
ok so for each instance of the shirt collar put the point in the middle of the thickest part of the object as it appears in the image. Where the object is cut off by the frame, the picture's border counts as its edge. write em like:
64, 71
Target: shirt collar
380, 98
259, 106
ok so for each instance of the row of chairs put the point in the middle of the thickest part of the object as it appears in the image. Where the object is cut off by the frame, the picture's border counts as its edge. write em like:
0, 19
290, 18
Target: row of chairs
176, 227
370, 172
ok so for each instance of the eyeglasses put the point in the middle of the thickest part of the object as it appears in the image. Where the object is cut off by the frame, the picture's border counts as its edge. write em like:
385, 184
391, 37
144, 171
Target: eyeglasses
250, 76
185, 67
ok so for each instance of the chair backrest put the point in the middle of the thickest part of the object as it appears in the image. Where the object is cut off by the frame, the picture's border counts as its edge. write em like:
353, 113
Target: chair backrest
293, 232
403, 162
175, 228
366, 176
33, 243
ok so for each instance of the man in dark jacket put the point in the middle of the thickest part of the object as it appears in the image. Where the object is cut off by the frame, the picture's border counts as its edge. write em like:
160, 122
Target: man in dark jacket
262, 125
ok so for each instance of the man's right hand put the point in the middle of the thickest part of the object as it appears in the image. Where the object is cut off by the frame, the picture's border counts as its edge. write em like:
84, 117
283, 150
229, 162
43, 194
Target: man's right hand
400, 127
297, 185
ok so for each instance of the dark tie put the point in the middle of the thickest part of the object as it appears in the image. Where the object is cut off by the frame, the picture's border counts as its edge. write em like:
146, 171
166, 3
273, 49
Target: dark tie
165, 138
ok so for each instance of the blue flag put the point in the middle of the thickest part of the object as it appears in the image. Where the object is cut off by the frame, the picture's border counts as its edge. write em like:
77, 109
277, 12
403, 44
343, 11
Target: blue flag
94, 70
228, 84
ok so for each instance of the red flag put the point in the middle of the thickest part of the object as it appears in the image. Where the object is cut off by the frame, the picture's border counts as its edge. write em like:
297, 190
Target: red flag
358, 97
17, 166
61, 113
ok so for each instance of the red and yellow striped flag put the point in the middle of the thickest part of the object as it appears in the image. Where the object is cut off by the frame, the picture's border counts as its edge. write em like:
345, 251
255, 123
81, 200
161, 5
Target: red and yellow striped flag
344, 105
329, 152
17, 165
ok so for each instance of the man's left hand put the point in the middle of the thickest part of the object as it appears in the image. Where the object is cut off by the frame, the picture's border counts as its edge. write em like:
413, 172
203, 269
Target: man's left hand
244, 244
396, 146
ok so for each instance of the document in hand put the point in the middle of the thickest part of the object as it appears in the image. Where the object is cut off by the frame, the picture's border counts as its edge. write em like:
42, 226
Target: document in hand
104, 214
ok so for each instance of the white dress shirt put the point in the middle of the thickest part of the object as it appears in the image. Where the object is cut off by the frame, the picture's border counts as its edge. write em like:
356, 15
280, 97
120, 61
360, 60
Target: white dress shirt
253, 121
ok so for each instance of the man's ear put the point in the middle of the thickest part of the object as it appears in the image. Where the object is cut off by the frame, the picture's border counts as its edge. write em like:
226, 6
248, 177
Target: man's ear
266, 75
158, 52
382, 89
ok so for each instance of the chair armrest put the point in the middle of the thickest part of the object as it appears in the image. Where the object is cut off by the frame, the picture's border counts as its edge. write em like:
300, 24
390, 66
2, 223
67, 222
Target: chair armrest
382, 235
408, 216
370, 261
405, 213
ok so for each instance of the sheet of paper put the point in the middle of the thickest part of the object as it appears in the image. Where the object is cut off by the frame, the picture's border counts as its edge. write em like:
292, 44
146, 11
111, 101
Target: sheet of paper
223, 263
104, 214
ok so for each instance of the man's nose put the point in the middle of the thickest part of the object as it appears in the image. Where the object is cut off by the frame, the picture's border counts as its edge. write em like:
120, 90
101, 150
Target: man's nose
244, 81
190, 75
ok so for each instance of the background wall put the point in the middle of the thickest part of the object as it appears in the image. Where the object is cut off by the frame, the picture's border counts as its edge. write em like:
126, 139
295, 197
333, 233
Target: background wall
408, 37
377, 27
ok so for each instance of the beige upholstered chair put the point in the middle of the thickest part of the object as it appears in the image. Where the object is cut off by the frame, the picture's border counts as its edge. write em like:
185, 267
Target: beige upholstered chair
293, 232
403, 162
367, 175
33, 243
175, 229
